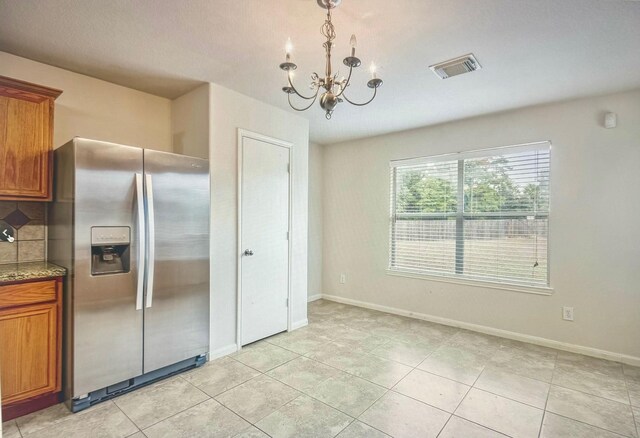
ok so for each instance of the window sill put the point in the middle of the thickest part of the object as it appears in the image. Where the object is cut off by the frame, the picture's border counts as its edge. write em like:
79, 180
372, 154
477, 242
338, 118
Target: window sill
536, 290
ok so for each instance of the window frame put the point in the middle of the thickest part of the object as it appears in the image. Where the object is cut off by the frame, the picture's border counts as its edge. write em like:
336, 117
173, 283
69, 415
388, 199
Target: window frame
460, 215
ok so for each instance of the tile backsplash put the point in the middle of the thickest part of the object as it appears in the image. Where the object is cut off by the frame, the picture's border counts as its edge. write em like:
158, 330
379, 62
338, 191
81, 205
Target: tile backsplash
29, 227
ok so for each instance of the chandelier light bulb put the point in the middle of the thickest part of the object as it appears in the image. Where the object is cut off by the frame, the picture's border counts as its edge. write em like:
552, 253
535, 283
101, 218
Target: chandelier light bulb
288, 47
374, 71
354, 44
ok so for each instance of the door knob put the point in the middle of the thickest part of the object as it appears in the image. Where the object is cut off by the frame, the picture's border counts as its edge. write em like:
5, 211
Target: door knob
248, 252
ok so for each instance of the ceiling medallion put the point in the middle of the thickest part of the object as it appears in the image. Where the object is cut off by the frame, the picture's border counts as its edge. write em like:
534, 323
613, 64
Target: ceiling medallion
334, 88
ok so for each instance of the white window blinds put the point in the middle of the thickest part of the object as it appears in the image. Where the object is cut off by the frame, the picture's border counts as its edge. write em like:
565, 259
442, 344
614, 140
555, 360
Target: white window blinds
482, 215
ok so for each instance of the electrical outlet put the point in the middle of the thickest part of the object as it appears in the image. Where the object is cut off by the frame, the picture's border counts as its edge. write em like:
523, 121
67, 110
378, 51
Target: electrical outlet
343, 278
567, 313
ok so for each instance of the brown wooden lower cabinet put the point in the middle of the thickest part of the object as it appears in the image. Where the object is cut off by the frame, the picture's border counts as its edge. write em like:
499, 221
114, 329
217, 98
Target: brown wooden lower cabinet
30, 345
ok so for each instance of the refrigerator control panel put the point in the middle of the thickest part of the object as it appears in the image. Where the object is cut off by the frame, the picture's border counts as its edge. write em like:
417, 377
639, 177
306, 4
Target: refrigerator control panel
110, 236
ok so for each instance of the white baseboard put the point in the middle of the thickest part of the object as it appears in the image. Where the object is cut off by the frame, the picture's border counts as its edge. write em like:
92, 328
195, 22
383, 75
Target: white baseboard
314, 297
223, 351
573, 348
299, 324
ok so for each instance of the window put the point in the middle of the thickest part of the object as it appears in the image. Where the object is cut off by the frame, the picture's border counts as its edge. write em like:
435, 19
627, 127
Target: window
481, 215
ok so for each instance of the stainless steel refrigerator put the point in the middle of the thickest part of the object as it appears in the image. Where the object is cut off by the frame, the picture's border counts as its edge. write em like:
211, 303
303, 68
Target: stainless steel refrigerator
132, 227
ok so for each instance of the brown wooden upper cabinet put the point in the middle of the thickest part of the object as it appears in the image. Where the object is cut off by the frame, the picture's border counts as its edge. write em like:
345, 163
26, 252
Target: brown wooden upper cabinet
26, 140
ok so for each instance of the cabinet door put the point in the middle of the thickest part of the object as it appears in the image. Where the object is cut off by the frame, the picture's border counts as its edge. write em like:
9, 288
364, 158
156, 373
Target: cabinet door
25, 148
28, 346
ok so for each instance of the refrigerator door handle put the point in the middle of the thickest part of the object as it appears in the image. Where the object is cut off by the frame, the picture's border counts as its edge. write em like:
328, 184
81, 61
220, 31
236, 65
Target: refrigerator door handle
152, 239
141, 241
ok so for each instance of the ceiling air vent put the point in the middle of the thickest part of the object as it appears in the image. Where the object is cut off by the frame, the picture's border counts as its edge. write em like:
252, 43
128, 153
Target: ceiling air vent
457, 66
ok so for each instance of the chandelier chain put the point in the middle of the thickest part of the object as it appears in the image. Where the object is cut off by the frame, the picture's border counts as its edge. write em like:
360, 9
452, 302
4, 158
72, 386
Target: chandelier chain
327, 29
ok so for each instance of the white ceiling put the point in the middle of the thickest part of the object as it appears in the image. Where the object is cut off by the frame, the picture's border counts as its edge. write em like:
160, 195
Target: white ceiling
532, 51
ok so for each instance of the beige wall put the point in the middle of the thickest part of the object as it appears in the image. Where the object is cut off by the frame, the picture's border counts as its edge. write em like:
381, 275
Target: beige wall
96, 109
229, 112
190, 123
594, 242
315, 220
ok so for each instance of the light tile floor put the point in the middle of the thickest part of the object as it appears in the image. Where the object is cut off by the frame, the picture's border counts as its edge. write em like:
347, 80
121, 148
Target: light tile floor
356, 373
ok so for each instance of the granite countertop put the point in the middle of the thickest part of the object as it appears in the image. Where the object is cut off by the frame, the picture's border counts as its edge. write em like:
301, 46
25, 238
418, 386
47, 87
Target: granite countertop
30, 271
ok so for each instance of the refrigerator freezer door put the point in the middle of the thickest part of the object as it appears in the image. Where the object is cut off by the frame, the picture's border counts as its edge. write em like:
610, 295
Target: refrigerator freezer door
176, 310
107, 334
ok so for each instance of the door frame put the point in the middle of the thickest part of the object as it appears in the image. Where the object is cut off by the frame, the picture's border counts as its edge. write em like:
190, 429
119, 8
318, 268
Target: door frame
242, 134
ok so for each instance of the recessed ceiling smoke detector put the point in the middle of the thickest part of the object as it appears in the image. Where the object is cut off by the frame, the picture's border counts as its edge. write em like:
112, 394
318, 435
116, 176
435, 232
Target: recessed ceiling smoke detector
457, 66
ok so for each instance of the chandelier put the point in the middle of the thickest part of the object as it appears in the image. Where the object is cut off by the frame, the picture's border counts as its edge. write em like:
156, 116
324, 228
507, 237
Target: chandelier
334, 88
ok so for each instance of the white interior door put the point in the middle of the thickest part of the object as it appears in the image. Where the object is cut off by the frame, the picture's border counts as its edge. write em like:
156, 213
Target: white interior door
264, 239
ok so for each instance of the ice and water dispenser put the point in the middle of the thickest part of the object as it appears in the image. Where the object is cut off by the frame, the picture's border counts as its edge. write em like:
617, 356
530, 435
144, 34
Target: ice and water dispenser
110, 250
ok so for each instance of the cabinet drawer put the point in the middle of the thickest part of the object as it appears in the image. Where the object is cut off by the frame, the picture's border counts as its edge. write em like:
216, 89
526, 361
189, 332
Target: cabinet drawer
27, 293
